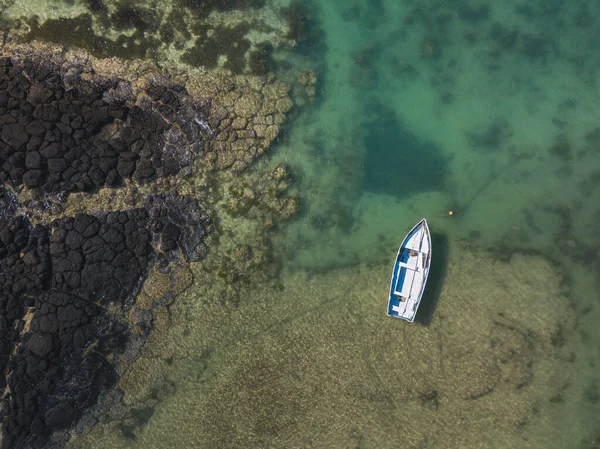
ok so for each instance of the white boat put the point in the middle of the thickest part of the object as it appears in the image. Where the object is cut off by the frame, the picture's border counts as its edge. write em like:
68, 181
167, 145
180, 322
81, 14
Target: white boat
410, 273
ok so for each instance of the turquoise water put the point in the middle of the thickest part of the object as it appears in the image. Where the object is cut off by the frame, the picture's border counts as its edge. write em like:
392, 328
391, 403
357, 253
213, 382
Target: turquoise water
427, 108
486, 110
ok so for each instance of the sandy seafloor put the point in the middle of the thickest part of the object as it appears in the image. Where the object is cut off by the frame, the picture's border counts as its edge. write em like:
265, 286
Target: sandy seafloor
488, 110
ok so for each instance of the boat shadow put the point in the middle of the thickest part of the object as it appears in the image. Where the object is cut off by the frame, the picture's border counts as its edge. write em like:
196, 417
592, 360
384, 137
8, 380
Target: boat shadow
435, 280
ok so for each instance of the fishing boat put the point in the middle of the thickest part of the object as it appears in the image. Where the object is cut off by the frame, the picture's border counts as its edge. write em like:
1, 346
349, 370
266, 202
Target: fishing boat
410, 273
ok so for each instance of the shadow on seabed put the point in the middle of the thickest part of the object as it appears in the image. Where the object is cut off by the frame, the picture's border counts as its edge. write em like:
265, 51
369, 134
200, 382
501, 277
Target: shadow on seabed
435, 281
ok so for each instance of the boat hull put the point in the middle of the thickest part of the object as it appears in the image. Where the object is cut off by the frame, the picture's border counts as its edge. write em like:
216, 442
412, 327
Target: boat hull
410, 273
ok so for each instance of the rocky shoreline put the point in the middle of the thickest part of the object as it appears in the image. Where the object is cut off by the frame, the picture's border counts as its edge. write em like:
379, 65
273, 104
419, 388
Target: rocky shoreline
66, 287
106, 171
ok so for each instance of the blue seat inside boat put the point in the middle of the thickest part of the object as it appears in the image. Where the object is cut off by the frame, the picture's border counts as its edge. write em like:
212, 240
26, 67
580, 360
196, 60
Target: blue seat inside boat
404, 255
400, 281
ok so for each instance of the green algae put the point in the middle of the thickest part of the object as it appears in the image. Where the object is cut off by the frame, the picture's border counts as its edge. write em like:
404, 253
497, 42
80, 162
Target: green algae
197, 33
138, 418
261, 60
229, 42
175, 26
78, 32
128, 16
298, 20
96, 6
204, 7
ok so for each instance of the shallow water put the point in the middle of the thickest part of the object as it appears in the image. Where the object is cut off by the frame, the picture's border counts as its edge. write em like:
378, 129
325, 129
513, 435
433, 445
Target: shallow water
439, 107
422, 108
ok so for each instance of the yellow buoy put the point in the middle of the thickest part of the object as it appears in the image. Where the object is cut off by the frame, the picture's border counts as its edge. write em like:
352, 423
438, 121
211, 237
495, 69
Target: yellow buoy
450, 213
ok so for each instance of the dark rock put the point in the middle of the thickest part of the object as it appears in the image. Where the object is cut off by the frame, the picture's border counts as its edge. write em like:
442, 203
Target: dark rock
57, 165
49, 323
169, 237
53, 150
30, 258
34, 160
74, 239
34, 143
125, 168
112, 178
182, 225
14, 133
81, 222
36, 128
60, 278
40, 344
64, 126
144, 169
6, 236
128, 156
49, 113
33, 178
39, 94
60, 415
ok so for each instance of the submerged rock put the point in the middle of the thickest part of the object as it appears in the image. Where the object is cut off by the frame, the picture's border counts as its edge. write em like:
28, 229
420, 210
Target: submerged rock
179, 226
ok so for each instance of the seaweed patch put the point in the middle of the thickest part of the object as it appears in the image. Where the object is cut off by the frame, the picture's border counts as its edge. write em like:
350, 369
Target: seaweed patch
204, 7
78, 32
228, 42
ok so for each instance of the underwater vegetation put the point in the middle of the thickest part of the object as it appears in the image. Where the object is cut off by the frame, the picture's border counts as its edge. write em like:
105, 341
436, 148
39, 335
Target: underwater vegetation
561, 149
128, 30
430, 48
370, 13
222, 41
261, 60
174, 24
534, 47
128, 16
137, 418
504, 37
365, 76
298, 20
473, 14
592, 393
96, 6
78, 32
492, 138
204, 7
304, 28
